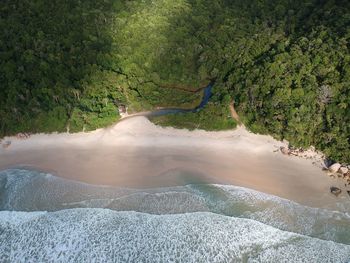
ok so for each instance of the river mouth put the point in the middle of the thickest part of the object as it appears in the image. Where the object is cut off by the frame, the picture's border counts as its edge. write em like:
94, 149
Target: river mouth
205, 99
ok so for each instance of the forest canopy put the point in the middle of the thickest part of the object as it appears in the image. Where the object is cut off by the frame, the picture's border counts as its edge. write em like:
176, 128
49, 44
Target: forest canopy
285, 64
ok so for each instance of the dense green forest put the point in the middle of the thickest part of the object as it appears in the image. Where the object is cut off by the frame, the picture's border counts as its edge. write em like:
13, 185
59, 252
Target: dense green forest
286, 64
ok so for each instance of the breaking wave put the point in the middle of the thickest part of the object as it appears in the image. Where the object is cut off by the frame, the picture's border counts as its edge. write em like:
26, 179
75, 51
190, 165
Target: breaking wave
46, 218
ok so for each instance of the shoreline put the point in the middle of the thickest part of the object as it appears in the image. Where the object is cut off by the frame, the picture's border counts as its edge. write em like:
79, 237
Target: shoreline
136, 153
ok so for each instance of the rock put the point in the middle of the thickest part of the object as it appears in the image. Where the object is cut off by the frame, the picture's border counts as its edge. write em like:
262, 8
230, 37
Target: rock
343, 170
335, 190
348, 192
328, 162
334, 167
285, 150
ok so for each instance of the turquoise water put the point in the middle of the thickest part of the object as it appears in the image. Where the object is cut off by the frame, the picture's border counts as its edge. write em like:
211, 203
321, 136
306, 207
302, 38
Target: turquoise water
45, 218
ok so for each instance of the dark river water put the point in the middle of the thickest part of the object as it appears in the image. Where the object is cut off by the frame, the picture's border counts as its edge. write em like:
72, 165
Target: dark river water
205, 99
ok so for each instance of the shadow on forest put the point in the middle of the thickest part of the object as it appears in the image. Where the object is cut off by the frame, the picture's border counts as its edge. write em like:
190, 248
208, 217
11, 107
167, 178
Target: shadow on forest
57, 54
49, 53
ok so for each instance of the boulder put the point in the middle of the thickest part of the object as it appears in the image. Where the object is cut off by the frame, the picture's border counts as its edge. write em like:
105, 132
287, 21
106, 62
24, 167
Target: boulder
343, 170
334, 167
335, 190
328, 162
285, 150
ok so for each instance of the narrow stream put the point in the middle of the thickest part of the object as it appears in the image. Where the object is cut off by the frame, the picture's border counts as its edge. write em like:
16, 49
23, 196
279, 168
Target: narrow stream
205, 99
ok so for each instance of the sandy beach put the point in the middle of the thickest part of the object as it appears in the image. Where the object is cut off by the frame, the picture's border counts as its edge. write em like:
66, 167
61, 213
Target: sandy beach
136, 153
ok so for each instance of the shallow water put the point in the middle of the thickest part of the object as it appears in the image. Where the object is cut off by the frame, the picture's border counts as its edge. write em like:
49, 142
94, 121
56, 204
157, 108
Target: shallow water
45, 218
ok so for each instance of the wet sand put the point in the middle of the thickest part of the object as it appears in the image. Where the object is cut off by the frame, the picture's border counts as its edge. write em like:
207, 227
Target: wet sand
136, 153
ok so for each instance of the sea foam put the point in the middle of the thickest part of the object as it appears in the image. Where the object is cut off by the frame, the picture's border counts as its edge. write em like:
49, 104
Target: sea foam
23, 190
102, 235
69, 221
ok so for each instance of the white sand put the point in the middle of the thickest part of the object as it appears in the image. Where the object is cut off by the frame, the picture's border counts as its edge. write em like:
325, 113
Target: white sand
136, 153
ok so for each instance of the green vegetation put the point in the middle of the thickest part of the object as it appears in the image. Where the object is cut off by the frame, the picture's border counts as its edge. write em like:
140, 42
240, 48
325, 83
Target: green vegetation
286, 64
214, 116
69, 64
296, 85
211, 118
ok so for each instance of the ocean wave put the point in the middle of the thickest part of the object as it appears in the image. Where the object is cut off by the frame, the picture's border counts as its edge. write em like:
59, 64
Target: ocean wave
278, 212
103, 235
23, 190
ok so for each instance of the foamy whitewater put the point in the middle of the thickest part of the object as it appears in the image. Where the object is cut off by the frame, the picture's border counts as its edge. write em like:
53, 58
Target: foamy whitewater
45, 218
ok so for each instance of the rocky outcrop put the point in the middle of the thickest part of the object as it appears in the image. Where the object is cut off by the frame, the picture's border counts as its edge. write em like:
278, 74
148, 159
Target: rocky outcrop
310, 153
335, 190
343, 170
285, 150
339, 171
334, 167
